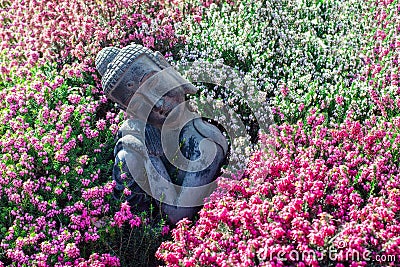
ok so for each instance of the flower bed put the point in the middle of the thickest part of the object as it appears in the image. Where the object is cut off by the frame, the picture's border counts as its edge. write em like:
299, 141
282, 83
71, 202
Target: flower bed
323, 190
57, 132
327, 177
318, 190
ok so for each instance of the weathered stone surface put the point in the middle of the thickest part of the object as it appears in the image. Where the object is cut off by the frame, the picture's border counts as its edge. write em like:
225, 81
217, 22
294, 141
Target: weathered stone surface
142, 163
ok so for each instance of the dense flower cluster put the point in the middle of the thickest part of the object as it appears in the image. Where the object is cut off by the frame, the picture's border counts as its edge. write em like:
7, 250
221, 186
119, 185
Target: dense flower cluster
382, 62
54, 168
96, 261
57, 130
327, 177
318, 189
291, 55
74, 31
309, 47
324, 188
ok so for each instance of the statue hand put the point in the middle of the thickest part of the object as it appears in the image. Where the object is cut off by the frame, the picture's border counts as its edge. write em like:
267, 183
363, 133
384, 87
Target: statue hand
129, 153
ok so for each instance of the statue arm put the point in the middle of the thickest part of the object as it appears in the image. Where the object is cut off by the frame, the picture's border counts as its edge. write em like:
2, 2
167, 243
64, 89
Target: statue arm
145, 173
196, 186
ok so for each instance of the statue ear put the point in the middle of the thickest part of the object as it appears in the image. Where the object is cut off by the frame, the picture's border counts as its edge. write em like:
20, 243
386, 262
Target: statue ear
162, 60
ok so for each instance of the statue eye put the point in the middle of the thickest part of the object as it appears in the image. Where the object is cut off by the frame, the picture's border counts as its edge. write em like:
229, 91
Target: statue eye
147, 75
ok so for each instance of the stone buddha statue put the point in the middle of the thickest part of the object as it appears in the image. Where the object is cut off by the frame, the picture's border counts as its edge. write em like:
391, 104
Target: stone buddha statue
166, 154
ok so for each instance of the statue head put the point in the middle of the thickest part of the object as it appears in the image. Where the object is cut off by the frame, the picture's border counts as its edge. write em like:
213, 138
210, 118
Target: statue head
125, 70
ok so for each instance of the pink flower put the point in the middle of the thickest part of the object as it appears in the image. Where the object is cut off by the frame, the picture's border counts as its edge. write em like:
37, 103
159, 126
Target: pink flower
339, 100
165, 230
71, 250
135, 222
127, 192
301, 107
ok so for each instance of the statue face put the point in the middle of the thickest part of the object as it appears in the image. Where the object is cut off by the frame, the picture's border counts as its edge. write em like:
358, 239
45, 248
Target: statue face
139, 71
165, 105
125, 70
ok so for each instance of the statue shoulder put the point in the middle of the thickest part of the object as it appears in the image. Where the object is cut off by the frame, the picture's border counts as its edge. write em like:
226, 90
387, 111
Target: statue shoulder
131, 127
142, 133
212, 132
